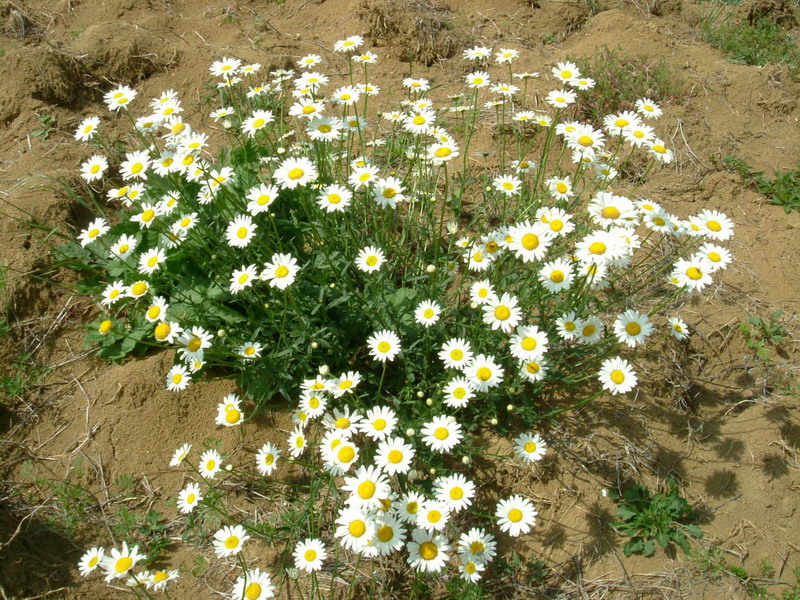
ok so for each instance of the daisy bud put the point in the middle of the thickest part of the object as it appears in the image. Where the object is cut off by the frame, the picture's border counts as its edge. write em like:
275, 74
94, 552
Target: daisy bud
429, 401
333, 285
266, 305
314, 345
510, 408
512, 390
221, 333
293, 573
324, 370
493, 420
466, 460
281, 150
452, 227
410, 153
229, 467
420, 394
432, 471
412, 474
410, 432
227, 124
430, 268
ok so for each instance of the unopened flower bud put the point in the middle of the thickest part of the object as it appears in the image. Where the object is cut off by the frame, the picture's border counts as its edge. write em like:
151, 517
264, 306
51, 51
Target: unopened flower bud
466, 460
314, 345
473, 305
410, 432
221, 333
432, 470
493, 420
229, 467
510, 408
332, 285
420, 394
430, 268
452, 227
429, 401
324, 370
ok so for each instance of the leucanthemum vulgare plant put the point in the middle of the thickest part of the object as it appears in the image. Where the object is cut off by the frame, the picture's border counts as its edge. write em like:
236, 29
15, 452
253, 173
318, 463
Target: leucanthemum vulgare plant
398, 292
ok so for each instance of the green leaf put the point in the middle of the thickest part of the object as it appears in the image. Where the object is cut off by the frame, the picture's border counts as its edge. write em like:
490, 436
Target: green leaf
648, 548
625, 513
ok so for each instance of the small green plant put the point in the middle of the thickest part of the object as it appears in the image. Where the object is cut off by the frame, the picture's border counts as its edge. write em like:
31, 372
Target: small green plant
760, 334
48, 123
649, 518
622, 78
783, 190
760, 43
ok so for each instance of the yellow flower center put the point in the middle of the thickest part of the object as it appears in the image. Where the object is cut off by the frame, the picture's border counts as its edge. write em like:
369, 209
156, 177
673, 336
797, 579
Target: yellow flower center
325, 128
232, 416
694, 273
456, 354
123, 564
194, 344
177, 378
242, 232
515, 515
190, 499
502, 313
106, 326
296, 174
138, 288
379, 424
357, 528
148, 215
342, 423
530, 447
610, 212
346, 454
434, 516
162, 331
508, 185
152, 261
459, 393
441, 433
456, 493
310, 555
160, 576
250, 350
585, 141
269, 459
389, 193
659, 221
557, 276
94, 233
243, 278
394, 456
484, 373
253, 591
281, 271
385, 533
714, 225
633, 328
428, 314
530, 241
428, 550
299, 442
95, 168
258, 123
617, 376
476, 547
597, 248
529, 343
187, 160
419, 120
366, 490
589, 330
154, 311
443, 152
714, 256
308, 109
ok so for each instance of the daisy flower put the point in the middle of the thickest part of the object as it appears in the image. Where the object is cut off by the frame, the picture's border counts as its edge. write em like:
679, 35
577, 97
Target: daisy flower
243, 278
225, 67
427, 313
533, 369
658, 150
210, 464
507, 184
178, 378
557, 276
617, 376
267, 458
471, 570
343, 419
528, 342
157, 310
94, 168
442, 152
189, 497
123, 247
477, 545
389, 537
589, 330
138, 289
254, 585
159, 579
334, 198
309, 555
113, 292
294, 172
632, 328
119, 97
150, 260
694, 274
615, 124
648, 109
477, 53
427, 553
483, 372
455, 353
717, 256
433, 515
458, 392
256, 122
229, 412
240, 231
715, 225
356, 528
394, 456
145, 218
530, 447
442, 434
343, 455
638, 134
380, 422
530, 242
309, 60
260, 199
313, 403
455, 491
297, 442
502, 313
180, 455
678, 328
478, 79
91, 559
388, 192
420, 122
87, 129
230, 540
363, 176
249, 350
506, 55
516, 515
96, 229
366, 488
345, 384
281, 272
482, 292
120, 562
561, 98
325, 129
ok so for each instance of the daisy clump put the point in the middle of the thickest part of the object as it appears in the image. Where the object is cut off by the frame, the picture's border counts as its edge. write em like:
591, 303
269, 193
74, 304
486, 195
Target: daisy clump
322, 253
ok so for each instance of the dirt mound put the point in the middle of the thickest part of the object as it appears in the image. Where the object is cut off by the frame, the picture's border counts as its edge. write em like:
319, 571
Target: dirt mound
420, 31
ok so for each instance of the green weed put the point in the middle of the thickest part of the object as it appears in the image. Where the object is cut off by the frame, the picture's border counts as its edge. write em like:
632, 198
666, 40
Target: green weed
48, 123
782, 190
621, 79
661, 518
760, 335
